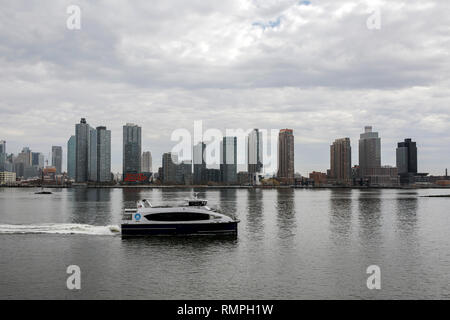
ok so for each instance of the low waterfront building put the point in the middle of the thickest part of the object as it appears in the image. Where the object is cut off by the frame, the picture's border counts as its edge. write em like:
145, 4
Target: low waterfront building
385, 176
319, 178
213, 176
245, 178
7, 177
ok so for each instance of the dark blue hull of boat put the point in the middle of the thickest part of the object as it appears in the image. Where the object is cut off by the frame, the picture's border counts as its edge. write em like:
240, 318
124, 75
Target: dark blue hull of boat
225, 228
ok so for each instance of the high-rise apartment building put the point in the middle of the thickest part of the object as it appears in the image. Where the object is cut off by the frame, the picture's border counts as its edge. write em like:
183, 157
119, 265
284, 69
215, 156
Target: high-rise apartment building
184, 173
369, 151
2, 155
93, 172
199, 163
286, 155
146, 165
82, 158
92, 153
131, 149
71, 157
228, 160
254, 145
103, 145
57, 158
37, 160
22, 162
341, 161
406, 160
169, 168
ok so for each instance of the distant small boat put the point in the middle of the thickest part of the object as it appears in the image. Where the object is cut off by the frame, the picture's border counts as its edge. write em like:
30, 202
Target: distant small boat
42, 187
43, 192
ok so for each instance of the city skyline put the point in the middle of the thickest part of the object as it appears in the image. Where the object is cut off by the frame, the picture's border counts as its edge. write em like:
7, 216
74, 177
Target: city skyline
240, 167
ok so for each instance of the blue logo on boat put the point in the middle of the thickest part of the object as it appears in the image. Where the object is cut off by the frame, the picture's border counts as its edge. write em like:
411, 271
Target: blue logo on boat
137, 216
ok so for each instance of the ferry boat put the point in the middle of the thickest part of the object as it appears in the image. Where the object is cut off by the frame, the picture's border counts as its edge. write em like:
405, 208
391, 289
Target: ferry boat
192, 218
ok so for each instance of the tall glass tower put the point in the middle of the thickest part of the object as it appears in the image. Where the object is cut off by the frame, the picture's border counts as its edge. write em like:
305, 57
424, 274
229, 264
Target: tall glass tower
131, 149
199, 163
228, 160
83, 139
57, 158
369, 152
71, 157
103, 154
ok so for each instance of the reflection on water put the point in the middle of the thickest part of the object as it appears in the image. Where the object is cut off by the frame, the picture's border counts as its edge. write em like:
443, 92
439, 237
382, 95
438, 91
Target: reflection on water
130, 196
255, 207
291, 244
407, 216
91, 206
171, 196
370, 217
341, 216
285, 207
228, 201
199, 244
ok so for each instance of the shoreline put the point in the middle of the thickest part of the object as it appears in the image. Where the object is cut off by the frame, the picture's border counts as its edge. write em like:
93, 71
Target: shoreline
223, 187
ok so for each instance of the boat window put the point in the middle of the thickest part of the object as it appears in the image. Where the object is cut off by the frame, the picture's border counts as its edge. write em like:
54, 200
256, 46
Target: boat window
177, 216
127, 216
195, 203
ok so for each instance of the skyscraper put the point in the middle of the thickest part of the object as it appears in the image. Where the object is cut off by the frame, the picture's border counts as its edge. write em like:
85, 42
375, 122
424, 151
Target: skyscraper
131, 149
228, 160
146, 165
22, 162
103, 155
199, 163
2, 155
369, 152
169, 168
92, 167
254, 154
406, 160
83, 139
37, 160
341, 161
57, 158
184, 172
286, 155
71, 157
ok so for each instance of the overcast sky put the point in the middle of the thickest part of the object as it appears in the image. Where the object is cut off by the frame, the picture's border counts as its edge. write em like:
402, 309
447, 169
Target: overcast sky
313, 66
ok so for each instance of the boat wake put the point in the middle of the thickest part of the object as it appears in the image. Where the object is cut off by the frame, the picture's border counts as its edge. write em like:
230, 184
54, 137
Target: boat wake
59, 228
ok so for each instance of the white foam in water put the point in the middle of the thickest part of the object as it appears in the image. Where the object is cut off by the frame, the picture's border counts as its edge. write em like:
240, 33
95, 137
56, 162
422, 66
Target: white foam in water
59, 228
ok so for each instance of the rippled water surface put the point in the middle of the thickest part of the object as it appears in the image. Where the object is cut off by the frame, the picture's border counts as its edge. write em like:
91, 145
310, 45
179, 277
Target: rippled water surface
292, 244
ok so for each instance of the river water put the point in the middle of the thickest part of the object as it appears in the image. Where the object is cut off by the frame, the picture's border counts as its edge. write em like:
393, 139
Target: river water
292, 244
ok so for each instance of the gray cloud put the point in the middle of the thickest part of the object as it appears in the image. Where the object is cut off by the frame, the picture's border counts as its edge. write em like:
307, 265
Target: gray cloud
165, 64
